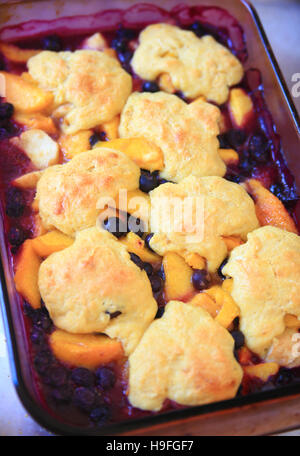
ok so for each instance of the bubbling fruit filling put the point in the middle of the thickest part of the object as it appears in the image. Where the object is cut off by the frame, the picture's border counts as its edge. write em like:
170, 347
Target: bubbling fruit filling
123, 319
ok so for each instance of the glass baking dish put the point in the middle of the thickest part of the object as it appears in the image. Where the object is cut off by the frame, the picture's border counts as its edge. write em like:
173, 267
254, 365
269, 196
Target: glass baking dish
258, 413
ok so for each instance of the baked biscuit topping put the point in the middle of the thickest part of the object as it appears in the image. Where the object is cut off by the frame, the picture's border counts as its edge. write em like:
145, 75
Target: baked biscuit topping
186, 133
266, 284
68, 195
196, 66
225, 210
83, 285
92, 85
184, 356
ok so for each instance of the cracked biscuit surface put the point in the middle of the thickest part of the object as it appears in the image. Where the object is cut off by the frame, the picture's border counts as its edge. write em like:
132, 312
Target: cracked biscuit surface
215, 208
184, 356
186, 133
91, 86
266, 284
93, 278
196, 66
68, 194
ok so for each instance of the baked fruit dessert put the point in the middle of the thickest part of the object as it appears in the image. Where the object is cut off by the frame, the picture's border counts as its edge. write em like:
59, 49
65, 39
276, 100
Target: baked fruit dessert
152, 232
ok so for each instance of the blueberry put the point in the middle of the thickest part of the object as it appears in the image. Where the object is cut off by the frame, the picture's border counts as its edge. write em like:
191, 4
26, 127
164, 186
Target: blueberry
126, 34
147, 240
3, 133
2, 65
52, 43
14, 202
82, 376
57, 376
180, 95
150, 86
284, 377
148, 268
221, 267
116, 226
6, 111
84, 398
125, 56
15, 236
148, 181
200, 279
42, 361
162, 181
100, 414
156, 283
259, 148
235, 138
37, 336
135, 225
239, 339
28, 310
94, 138
233, 178
113, 314
105, 377
136, 260
41, 319
119, 44
246, 165
62, 394
284, 193
160, 312
223, 141
198, 29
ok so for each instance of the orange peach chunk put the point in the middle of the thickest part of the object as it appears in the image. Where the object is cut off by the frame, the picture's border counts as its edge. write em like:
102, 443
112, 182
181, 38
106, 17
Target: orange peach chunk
269, 209
51, 242
36, 121
28, 180
26, 97
229, 156
178, 274
228, 308
291, 321
85, 350
240, 106
26, 277
206, 302
111, 128
72, 145
16, 54
135, 244
144, 153
232, 242
262, 371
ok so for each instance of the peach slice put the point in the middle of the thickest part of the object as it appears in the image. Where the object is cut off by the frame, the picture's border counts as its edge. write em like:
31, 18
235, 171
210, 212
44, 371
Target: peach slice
178, 274
85, 350
232, 242
240, 106
144, 153
194, 260
16, 54
111, 128
269, 209
26, 276
36, 121
291, 321
229, 156
206, 302
28, 180
245, 356
262, 371
136, 203
165, 83
136, 245
26, 97
228, 308
72, 145
51, 242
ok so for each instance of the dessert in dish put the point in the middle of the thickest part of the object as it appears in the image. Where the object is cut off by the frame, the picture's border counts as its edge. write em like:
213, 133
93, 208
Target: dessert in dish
124, 318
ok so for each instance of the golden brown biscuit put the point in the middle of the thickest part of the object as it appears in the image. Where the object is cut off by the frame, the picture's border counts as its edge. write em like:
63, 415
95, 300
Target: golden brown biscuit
91, 85
184, 356
266, 284
186, 133
285, 349
218, 208
68, 194
84, 284
196, 66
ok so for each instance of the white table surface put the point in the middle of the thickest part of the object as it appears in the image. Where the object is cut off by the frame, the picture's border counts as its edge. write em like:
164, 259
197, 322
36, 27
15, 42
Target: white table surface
281, 21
